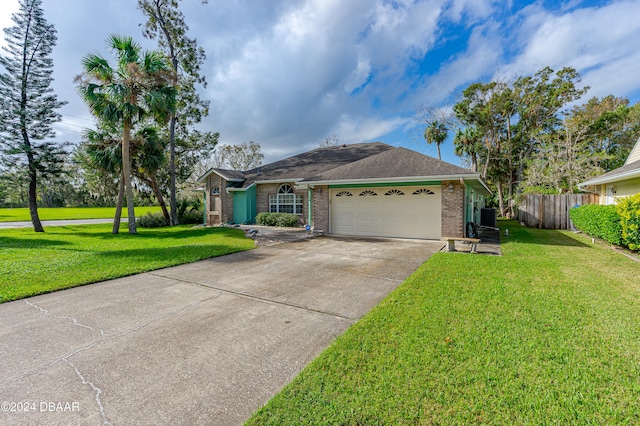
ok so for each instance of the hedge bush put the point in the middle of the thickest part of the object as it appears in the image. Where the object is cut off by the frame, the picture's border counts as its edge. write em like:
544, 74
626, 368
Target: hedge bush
189, 212
629, 211
598, 221
287, 220
152, 220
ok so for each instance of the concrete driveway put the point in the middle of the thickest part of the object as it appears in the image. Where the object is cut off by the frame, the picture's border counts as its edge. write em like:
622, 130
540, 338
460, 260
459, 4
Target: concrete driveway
205, 343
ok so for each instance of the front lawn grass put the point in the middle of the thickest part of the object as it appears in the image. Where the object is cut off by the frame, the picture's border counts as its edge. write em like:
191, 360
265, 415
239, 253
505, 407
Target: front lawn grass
549, 333
68, 213
68, 256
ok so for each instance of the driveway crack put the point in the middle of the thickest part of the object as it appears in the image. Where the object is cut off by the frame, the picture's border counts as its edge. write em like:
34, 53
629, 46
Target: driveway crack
103, 337
75, 321
96, 390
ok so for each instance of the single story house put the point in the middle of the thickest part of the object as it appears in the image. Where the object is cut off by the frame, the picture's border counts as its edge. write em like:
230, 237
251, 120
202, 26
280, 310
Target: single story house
621, 182
366, 189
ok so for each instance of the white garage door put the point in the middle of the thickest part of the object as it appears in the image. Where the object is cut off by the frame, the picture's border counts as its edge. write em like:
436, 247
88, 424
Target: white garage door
404, 211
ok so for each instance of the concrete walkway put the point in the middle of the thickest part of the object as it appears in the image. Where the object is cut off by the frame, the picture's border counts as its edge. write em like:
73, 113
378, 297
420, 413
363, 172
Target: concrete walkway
206, 343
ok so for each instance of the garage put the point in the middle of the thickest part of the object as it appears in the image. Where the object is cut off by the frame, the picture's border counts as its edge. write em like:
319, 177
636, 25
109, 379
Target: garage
402, 211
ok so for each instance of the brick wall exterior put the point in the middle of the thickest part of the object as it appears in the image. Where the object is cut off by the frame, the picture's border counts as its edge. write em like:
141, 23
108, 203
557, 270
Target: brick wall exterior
225, 213
321, 209
262, 199
452, 209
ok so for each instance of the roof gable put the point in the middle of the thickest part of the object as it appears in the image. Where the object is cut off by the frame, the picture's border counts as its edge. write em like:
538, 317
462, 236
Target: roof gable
226, 174
634, 155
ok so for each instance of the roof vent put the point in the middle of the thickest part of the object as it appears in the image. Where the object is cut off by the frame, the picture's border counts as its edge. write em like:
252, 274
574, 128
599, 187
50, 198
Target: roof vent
344, 145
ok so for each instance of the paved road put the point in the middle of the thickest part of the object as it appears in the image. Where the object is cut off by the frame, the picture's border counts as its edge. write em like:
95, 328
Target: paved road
206, 343
58, 222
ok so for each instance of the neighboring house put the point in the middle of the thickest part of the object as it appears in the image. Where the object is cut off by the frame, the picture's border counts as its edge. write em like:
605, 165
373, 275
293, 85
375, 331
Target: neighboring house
367, 189
618, 183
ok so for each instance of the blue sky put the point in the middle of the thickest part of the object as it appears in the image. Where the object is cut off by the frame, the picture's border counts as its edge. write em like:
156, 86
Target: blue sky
287, 74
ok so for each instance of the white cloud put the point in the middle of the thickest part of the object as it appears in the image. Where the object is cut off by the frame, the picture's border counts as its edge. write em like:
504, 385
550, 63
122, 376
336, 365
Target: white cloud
288, 73
318, 63
482, 56
591, 40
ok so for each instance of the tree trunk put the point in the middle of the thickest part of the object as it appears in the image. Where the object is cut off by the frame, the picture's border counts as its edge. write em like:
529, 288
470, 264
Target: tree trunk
173, 220
33, 173
438, 146
33, 197
510, 195
116, 219
500, 198
126, 171
153, 183
158, 193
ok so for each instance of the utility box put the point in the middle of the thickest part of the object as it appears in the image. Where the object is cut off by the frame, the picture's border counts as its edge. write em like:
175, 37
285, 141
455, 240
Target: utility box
488, 217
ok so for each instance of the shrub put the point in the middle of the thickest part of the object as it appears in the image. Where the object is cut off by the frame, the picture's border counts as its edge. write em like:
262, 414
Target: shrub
189, 210
629, 211
287, 220
191, 217
598, 221
149, 220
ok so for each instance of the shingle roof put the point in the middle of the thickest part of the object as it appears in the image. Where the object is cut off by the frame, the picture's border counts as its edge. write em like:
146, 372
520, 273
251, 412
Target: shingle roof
349, 162
230, 174
314, 162
396, 162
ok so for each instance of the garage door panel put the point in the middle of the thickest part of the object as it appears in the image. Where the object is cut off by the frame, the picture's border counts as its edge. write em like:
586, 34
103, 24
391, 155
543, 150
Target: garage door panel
409, 212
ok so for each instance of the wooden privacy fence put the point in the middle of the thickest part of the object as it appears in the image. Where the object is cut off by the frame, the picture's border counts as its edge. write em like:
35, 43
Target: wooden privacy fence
551, 211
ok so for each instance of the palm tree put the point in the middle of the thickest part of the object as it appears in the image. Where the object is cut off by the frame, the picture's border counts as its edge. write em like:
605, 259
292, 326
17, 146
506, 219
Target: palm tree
466, 143
436, 133
103, 152
147, 153
138, 87
150, 157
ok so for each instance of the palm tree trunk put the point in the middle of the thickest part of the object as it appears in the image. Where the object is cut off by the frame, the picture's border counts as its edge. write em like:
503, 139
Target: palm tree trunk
116, 219
173, 220
126, 171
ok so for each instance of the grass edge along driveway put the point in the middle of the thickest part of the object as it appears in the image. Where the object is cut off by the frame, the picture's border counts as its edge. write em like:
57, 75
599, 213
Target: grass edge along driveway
69, 256
546, 334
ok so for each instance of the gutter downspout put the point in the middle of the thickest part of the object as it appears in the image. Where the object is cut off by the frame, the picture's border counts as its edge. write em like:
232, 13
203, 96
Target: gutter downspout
310, 205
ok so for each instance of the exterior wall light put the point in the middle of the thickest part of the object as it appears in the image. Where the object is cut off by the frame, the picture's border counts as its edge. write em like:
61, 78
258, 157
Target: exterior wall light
450, 187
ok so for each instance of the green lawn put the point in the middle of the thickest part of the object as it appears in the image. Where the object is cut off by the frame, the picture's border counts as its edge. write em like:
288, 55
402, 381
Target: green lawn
22, 214
68, 256
549, 333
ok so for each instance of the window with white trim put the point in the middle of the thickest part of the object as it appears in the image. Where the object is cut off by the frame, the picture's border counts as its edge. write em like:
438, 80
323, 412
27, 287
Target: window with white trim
285, 201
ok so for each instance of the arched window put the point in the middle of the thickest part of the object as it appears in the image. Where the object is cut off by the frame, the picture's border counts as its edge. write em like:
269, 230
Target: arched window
285, 201
285, 189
